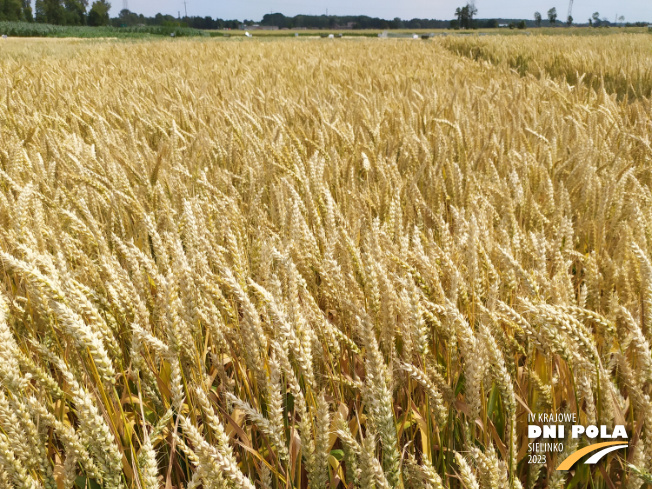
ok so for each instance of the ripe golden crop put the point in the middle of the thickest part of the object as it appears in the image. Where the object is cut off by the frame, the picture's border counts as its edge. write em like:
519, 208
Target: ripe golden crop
321, 263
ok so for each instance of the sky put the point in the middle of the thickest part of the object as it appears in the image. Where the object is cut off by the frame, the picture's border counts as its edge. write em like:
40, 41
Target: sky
633, 10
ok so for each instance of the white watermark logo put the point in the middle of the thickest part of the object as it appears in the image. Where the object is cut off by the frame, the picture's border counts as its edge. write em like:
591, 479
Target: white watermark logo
551, 430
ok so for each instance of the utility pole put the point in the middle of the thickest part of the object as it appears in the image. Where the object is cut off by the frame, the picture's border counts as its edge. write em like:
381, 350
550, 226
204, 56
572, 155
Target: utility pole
125, 4
185, 7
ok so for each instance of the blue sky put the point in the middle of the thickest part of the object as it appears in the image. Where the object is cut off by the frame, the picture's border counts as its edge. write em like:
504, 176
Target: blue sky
633, 10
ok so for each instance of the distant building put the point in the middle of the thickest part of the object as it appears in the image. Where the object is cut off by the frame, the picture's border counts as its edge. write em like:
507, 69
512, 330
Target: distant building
347, 26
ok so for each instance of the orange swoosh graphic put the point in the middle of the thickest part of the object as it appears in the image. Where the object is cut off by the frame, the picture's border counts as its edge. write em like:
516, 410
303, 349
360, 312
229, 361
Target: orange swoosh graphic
569, 461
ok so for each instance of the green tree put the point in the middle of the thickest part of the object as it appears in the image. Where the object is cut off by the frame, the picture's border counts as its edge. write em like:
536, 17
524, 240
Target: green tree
39, 11
127, 18
465, 15
596, 19
537, 19
458, 14
99, 13
471, 10
521, 25
27, 11
75, 11
11, 10
50, 11
552, 15
569, 21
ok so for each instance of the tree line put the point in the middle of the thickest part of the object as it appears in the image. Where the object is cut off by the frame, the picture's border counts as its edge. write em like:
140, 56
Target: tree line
281, 21
594, 20
353, 21
126, 18
77, 12
15, 10
464, 20
61, 12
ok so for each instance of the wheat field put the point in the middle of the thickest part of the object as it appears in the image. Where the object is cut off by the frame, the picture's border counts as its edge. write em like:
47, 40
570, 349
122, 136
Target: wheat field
322, 263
